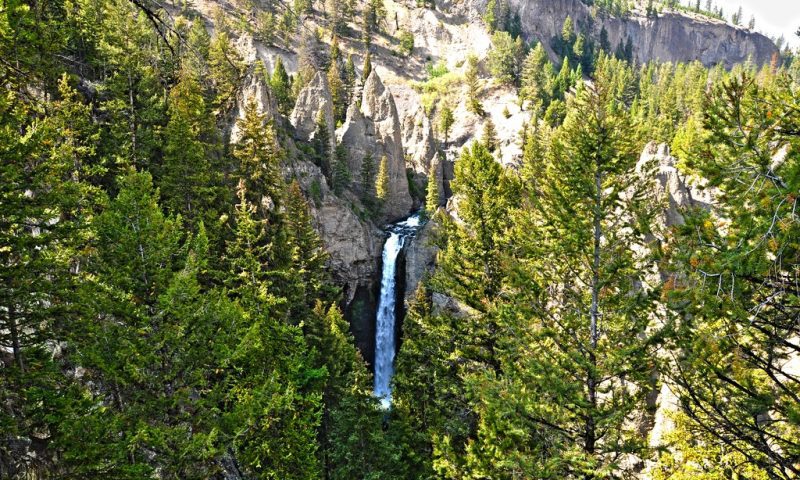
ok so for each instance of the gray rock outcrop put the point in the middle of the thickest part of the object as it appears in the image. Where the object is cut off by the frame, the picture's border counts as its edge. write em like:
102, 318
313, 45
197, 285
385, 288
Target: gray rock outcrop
656, 163
420, 257
313, 99
419, 141
254, 90
373, 129
354, 245
421, 151
671, 37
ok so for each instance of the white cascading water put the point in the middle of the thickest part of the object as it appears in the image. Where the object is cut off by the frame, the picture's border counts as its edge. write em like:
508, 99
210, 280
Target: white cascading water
385, 321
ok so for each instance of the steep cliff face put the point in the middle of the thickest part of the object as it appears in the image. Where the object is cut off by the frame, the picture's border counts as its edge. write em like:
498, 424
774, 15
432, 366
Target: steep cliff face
314, 100
372, 129
420, 258
419, 143
352, 242
254, 90
671, 37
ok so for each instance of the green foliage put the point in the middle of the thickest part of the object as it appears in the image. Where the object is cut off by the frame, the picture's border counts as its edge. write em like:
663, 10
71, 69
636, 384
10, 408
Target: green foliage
367, 68
339, 95
367, 181
341, 171
484, 192
505, 58
321, 143
382, 182
489, 137
225, 69
337, 16
281, 87
373, 14
436, 70
472, 82
748, 250
445, 121
151, 325
259, 158
406, 43
578, 192
354, 445
432, 197
499, 17
189, 183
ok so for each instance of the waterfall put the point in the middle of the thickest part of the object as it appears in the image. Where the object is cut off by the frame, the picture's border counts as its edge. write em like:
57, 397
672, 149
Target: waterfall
386, 314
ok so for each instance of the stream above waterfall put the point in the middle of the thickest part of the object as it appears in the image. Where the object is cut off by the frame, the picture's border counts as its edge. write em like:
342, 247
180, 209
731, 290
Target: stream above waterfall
386, 315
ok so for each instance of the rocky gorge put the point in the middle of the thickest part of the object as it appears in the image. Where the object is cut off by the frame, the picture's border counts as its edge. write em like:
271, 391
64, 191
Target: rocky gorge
387, 117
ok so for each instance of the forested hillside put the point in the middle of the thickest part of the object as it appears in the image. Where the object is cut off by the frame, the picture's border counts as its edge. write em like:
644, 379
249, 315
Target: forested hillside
605, 283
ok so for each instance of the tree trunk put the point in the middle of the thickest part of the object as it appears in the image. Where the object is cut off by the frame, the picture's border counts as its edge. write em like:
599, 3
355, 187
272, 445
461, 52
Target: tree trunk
15, 342
594, 313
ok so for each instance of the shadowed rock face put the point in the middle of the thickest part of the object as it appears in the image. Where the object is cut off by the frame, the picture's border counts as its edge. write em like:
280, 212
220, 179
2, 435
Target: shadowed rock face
672, 37
373, 128
354, 245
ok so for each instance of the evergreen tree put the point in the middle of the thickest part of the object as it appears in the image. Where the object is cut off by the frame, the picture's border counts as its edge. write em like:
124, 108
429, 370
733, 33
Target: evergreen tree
581, 305
448, 347
267, 27
483, 192
432, 200
731, 293
367, 181
196, 60
341, 170
188, 182
259, 158
736, 18
338, 92
134, 103
419, 410
48, 204
505, 57
473, 86
273, 406
349, 82
537, 79
308, 271
353, 443
281, 87
446, 121
336, 20
367, 69
321, 142
137, 249
605, 44
382, 182
490, 16
489, 139
226, 68
374, 13
564, 44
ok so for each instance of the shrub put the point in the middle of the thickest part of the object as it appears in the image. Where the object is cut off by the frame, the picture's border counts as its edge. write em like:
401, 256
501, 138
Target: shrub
406, 43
